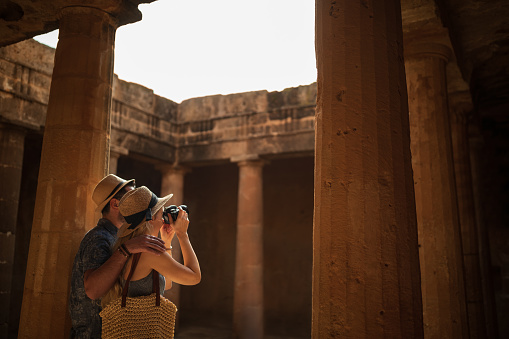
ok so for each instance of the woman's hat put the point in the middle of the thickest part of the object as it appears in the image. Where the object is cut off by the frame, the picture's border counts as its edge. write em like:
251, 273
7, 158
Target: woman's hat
137, 206
107, 188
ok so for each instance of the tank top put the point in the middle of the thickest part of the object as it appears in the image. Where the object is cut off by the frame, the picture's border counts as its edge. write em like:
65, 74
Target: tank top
143, 286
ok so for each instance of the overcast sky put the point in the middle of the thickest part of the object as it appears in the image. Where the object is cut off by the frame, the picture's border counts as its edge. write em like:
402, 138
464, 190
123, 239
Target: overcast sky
183, 49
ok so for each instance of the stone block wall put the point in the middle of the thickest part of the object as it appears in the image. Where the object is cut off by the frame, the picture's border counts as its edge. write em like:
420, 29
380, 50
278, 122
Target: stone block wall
25, 79
203, 129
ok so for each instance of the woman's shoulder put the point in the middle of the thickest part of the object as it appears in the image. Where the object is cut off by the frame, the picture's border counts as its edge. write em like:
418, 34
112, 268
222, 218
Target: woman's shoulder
143, 267
149, 259
154, 261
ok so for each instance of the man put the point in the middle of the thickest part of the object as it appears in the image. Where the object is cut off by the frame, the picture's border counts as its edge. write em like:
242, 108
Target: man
95, 268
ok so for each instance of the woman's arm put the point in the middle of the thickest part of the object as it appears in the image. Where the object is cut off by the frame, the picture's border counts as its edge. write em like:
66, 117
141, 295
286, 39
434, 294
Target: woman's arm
187, 274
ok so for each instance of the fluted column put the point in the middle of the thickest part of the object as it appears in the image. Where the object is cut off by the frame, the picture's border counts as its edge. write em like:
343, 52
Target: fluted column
476, 145
248, 293
460, 109
365, 257
11, 163
172, 181
440, 248
74, 158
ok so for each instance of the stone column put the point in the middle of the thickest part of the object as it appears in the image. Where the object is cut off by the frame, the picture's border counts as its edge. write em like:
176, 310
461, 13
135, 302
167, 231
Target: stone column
248, 293
476, 144
460, 108
172, 181
11, 163
440, 252
365, 259
115, 153
74, 158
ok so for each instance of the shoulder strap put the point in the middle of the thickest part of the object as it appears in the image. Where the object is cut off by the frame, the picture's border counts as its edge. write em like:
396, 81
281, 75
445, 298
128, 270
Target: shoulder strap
136, 258
155, 286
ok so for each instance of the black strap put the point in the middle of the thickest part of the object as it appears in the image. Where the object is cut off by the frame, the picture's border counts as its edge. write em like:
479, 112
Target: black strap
155, 282
137, 218
116, 188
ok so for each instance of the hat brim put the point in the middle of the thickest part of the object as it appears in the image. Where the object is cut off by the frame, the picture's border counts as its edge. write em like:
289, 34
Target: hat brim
100, 207
124, 230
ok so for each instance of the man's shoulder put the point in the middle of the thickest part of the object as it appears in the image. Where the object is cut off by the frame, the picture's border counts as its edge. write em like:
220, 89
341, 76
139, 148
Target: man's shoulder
97, 235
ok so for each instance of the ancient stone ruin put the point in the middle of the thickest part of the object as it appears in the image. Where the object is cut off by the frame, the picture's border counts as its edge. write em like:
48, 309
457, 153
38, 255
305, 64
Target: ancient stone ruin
372, 203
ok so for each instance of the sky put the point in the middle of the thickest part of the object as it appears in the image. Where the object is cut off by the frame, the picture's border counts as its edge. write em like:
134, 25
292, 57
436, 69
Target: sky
183, 49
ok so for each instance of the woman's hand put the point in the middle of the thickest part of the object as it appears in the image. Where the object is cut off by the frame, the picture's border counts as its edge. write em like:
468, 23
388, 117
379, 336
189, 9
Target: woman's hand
167, 233
180, 225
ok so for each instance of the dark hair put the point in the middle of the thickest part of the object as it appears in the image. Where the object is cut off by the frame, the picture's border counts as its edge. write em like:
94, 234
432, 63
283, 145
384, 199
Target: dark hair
117, 196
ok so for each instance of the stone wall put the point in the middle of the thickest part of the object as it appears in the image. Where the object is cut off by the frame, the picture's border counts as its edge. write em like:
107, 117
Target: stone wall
25, 79
267, 124
213, 128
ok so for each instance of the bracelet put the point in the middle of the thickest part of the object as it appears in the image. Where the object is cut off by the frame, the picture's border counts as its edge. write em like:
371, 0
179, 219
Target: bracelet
124, 248
122, 251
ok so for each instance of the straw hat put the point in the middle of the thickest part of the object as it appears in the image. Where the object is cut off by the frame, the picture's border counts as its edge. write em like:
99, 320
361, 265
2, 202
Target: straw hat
138, 206
107, 188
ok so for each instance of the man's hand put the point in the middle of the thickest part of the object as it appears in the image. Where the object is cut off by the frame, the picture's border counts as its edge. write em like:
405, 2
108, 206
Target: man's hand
146, 243
98, 281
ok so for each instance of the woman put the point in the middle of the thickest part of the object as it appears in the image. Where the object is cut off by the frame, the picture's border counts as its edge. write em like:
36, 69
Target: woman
143, 213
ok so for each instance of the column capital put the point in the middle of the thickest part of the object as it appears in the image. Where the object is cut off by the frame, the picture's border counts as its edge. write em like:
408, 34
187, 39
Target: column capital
249, 160
121, 12
172, 168
428, 48
118, 150
461, 108
83, 10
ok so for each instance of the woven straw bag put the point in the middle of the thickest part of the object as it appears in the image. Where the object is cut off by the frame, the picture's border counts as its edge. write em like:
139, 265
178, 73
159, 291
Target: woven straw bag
151, 316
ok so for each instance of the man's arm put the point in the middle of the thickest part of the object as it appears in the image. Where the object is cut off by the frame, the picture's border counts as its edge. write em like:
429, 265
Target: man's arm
99, 281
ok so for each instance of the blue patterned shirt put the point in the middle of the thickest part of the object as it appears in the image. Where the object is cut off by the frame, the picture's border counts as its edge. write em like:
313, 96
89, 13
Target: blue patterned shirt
95, 250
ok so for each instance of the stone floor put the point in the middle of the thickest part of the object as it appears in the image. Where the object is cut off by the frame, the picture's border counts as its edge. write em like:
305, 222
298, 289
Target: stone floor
196, 332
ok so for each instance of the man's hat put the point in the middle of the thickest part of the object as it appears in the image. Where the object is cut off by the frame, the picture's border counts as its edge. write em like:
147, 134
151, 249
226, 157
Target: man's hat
107, 188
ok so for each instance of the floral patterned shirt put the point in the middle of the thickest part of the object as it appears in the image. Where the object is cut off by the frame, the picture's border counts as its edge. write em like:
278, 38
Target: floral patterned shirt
95, 250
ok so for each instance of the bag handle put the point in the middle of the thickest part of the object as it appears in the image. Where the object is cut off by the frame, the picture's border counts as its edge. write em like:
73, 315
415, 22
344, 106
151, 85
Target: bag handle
136, 258
155, 286
155, 281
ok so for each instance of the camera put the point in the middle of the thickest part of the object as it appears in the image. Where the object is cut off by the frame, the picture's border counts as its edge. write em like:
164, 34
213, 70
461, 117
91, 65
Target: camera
173, 212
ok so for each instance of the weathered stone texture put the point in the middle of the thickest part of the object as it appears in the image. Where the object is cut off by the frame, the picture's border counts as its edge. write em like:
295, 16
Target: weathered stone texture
287, 128
73, 160
460, 107
11, 162
199, 129
248, 309
366, 281
25, 79
440, 249
220, 106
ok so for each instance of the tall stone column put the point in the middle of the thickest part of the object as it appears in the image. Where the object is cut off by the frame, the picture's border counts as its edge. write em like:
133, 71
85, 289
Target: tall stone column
74, 158
440, 248
248, 294
172, 181
476, 144
460, 108
366, 280
11, 163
